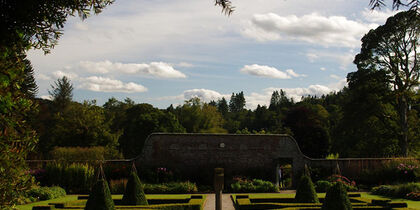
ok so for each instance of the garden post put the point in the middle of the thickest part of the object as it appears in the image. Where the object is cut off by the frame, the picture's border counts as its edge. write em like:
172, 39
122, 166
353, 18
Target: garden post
218, 186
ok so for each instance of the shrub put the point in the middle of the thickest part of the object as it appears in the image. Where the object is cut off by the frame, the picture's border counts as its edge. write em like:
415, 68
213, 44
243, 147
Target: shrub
337, 198
348, 184
415, 196
83, 153
305, 192
74, 178
254, 185
322, 186
46, 193
400, 191
172, 187
117, 186
100, 197
134, 192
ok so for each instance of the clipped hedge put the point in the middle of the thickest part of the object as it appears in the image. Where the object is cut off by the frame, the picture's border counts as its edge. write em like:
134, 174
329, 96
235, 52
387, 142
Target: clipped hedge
46, 193
337, 198
322, 186
305, 192
399, 191
254, 185
100, 197
134, 193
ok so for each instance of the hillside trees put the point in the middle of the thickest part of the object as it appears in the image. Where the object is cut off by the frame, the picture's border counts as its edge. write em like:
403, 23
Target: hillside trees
393, 49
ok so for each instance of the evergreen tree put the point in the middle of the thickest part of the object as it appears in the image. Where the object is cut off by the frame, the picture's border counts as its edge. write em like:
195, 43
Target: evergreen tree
29, 86
222, 106
134, 192
337, 198
100, 197
62, 93
305, 192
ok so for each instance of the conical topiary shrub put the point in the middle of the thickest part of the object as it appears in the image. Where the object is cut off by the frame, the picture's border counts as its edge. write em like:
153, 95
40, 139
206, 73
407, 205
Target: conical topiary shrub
305, 192
100, 197
336, 198
134, 192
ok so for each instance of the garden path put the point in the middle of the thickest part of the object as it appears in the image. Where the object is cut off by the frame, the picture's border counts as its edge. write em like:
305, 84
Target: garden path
210, 203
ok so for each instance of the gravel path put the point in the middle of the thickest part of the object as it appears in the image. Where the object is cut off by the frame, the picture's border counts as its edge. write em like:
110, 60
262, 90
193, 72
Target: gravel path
210, 203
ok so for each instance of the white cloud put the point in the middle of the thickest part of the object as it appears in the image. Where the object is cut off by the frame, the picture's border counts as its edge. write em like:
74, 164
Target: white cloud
343, 59
267, 71
335, 77
204, 94
185, 64
323, 69
153, 69
47, 97
378, 16
60, 74
102, 84
263, 98
312, 28
43, 77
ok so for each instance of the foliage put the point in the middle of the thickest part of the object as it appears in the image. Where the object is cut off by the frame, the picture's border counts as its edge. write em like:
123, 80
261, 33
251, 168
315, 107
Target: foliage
75, 178
393, 171
347, 183
83, 153
82, 125
254, 185
100, 197
142, 120
392, 48
61, 93
46, 193
396, 4
198, 117
399, 191
337, 198
305, 192
134, 192
237, 102
17, 138
322, 186
170, 188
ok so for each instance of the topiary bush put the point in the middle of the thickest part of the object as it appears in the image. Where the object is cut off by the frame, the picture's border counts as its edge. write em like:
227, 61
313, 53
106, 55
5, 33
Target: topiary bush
322, 186
337, 198
100, 197
134, 192
46, 193
305, 192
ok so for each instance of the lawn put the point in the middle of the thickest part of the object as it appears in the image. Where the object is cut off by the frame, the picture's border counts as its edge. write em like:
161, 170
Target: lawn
411, 204
74, 198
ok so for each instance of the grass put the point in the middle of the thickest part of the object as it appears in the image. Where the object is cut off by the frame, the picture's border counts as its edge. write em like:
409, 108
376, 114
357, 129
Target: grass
62, 199
74, 198
411, 204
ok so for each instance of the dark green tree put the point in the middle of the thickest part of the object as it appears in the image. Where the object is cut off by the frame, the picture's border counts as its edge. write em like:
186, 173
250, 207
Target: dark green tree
393, 48
61, 93
29, 86
134, 192
100, 197
237, 102
305, 192
337, 198
142, 120
222, 106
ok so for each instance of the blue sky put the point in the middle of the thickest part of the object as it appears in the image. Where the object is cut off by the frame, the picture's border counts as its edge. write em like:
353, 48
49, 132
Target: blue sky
165, 52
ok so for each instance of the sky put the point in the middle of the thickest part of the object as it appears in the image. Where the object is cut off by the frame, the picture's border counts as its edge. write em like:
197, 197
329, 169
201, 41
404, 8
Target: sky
165, 52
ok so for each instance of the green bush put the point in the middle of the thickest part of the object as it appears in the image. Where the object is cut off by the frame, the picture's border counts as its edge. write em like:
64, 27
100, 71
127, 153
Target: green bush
74, 178
337, 198
254, 185
83, 153
117, 186
322, 186
172, 187
100, 197
134, 192
305, 192
46, 193
399, 191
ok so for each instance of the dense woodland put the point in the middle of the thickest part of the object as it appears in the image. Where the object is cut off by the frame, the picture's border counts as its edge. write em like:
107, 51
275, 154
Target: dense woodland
377, 115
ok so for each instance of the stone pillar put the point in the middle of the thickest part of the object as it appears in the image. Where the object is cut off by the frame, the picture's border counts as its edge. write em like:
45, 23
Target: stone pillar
218, 186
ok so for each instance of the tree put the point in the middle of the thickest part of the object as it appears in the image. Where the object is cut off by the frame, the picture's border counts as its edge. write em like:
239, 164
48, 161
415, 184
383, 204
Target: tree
29, 86
142, 120
222, 106
396, 4
392, 48
62, 93
237, 102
